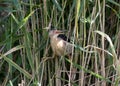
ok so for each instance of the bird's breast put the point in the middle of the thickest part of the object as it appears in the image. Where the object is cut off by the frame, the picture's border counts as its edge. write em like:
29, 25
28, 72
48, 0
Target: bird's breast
58, 46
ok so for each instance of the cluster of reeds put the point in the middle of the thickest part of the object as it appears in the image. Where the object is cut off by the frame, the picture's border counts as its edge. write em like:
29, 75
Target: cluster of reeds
92, 25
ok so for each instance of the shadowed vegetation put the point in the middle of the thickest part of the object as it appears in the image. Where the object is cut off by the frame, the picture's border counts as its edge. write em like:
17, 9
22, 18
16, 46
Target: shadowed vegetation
92, 25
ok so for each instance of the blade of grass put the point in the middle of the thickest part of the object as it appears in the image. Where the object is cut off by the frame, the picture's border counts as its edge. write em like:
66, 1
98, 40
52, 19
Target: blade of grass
113, 2
89, 71
115, 59
110, 42
17, 67
14, 49
13, 63
57, 5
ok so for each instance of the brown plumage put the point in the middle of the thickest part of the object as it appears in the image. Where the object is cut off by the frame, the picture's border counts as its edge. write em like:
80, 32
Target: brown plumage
60, 43
61, 46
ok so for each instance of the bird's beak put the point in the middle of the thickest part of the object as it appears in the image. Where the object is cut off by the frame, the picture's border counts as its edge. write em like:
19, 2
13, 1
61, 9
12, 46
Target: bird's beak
59, 31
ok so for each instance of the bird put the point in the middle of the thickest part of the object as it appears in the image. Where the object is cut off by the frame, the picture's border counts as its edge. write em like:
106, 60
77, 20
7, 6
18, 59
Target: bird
61, 46
59, 42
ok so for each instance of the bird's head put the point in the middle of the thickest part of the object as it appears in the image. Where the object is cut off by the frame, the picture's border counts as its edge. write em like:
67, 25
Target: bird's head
53, 31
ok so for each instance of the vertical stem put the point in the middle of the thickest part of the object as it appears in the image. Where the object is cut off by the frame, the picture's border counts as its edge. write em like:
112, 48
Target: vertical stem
57, 71
83, 58
102, 25
75, 33
103, 55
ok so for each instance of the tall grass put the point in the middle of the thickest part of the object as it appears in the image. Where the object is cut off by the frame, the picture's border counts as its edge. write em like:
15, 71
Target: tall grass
92, 25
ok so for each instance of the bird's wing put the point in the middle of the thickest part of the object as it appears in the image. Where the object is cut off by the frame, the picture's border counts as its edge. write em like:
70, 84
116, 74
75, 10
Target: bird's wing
64, 37
68, 47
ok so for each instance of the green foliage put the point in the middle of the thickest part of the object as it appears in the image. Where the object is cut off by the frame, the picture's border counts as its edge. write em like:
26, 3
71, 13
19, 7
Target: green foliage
25, 48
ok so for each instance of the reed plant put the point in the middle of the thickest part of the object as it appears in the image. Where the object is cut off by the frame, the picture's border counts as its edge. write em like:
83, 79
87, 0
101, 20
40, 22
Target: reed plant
92, 25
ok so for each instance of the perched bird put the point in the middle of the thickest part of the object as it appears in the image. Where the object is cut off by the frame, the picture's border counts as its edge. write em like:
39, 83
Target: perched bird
60, 44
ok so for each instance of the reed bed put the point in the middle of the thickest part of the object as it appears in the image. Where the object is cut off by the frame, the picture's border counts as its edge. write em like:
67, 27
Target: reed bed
92, 25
